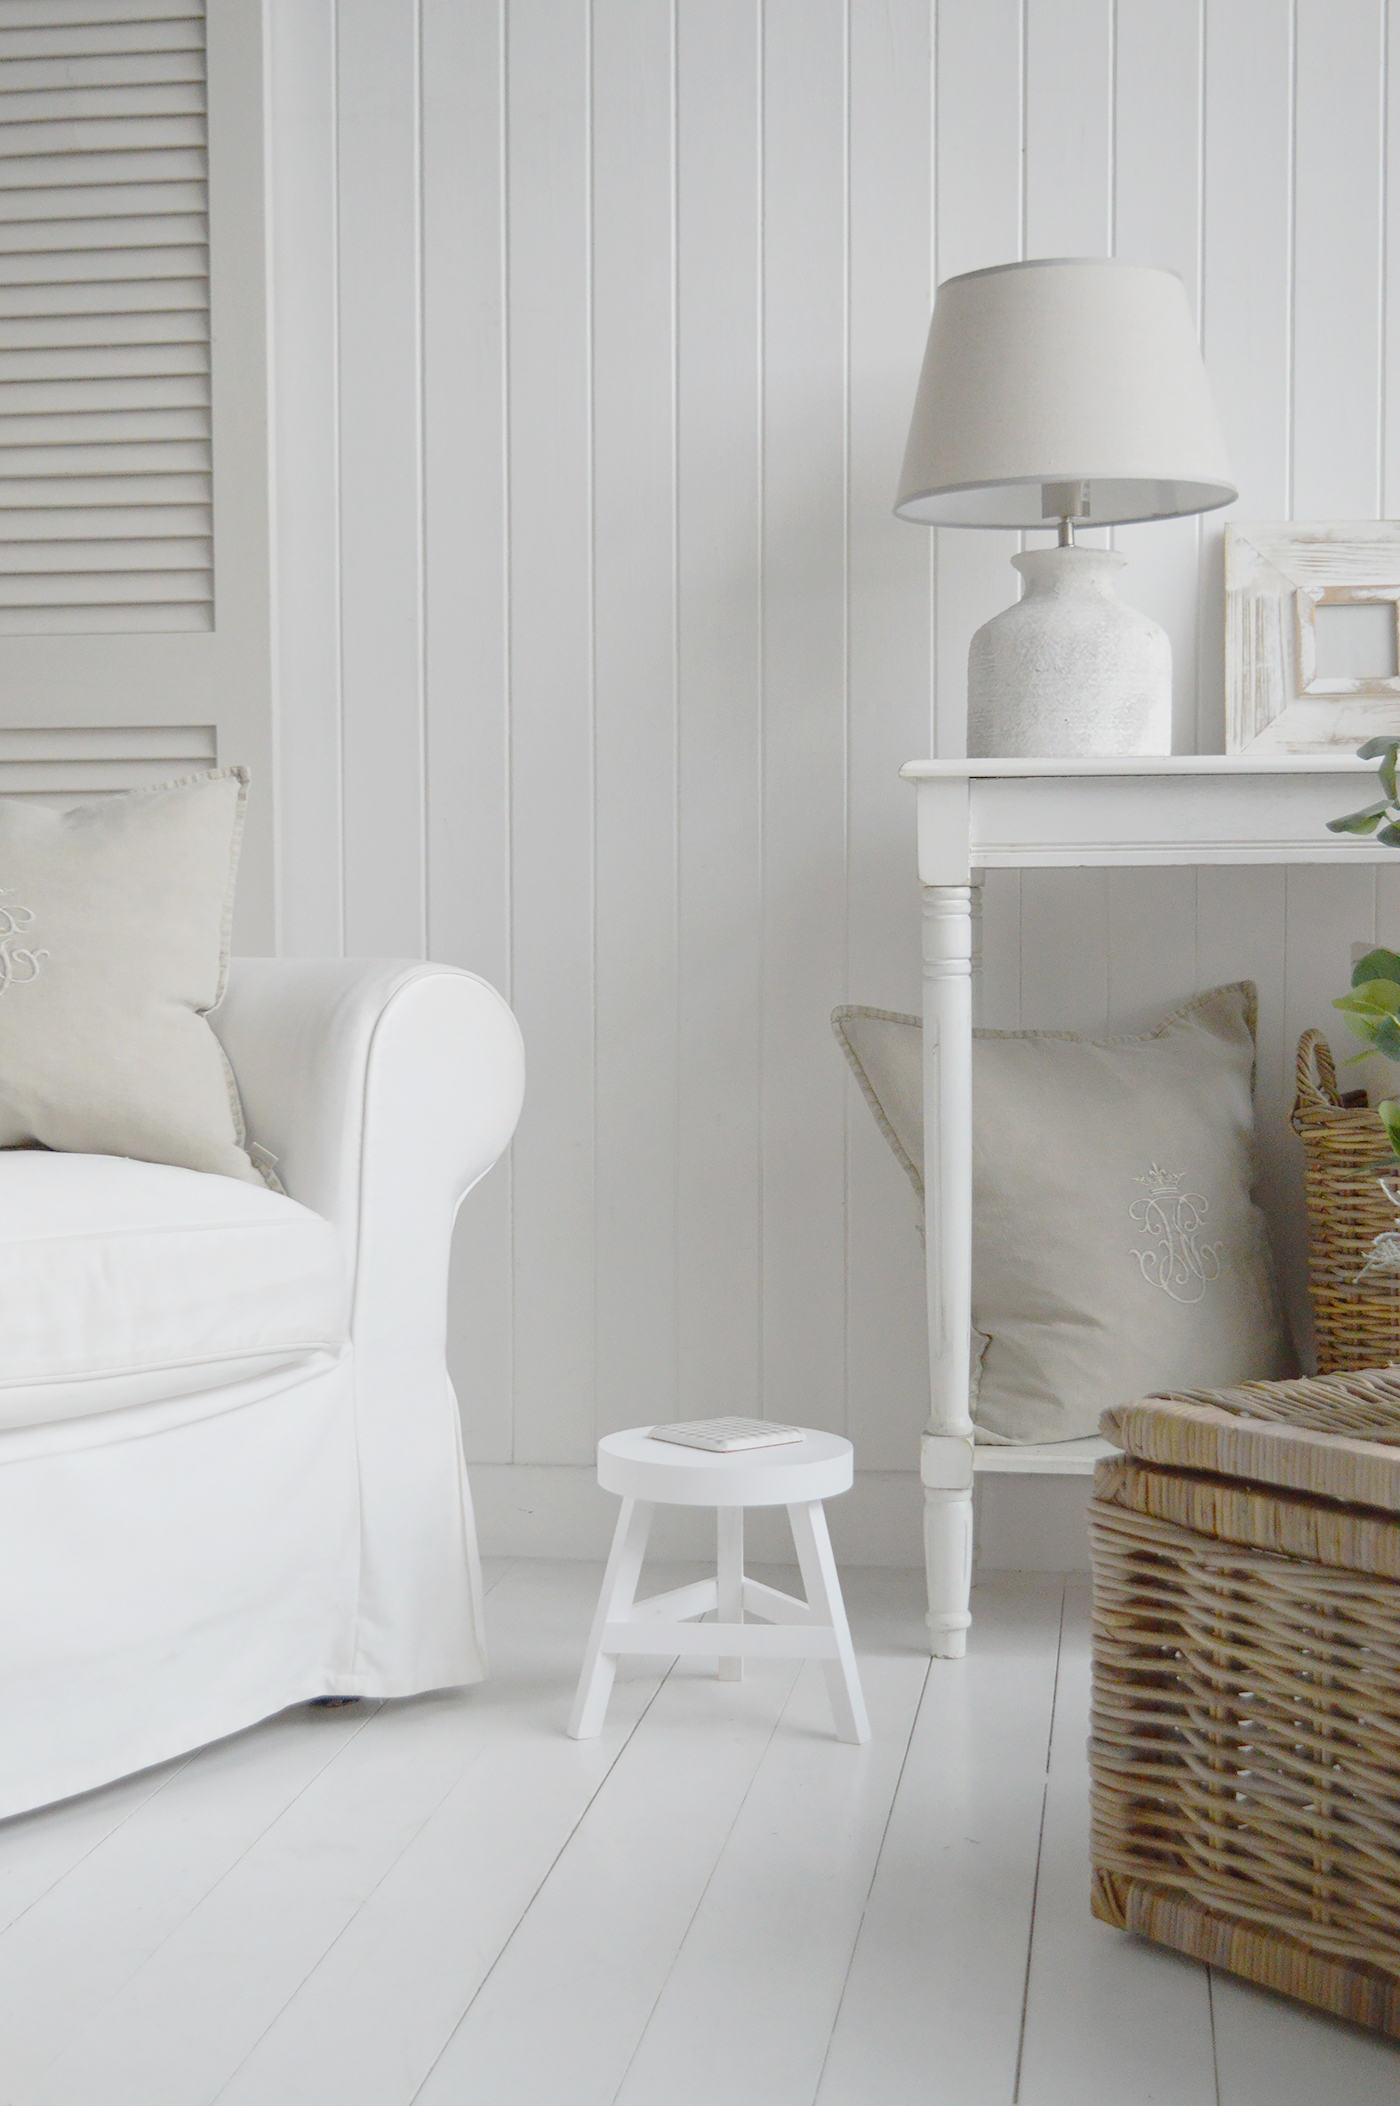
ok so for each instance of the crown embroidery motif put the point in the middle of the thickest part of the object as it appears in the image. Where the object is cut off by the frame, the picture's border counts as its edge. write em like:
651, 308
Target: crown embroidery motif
17, 962
1172, 1219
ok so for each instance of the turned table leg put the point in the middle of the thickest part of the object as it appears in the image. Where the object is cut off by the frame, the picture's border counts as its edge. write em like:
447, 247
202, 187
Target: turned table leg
946, 1463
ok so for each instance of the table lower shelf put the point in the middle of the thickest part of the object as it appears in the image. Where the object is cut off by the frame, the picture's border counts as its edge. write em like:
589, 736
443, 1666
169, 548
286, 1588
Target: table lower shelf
1044, 1458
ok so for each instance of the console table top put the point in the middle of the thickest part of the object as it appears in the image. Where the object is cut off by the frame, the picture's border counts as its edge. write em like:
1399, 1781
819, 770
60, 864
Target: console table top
1185, 808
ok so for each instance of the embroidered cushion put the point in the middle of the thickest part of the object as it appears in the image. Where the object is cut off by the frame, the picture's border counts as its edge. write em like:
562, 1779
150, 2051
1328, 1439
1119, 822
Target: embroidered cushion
114, 940
1117, 1248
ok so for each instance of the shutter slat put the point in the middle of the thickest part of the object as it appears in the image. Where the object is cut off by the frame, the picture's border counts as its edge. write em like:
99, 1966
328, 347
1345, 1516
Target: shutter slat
21, 139
104, 588
153, 164
52, 204
134, 488
101, 427
145, 619
81, 558
95, 15
151, 230
105, 522
94, 333
143, 457
54, 40
89, 69
105, 105
33, 400
139, 296
103, 266
57, 365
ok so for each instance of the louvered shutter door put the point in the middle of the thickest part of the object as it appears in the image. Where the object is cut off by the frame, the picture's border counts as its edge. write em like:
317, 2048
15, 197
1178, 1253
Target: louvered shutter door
105, 514
135, 550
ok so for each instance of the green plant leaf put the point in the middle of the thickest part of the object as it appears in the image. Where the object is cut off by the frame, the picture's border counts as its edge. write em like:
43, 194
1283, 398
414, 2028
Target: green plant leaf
1390, 1119
1376, 965
1364, 822
1382, 997
1390, 834
1387, 1039
1364, 1022
1375, 748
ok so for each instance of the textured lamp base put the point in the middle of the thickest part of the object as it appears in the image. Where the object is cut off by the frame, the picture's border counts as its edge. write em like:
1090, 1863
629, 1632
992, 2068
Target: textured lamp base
1069, 669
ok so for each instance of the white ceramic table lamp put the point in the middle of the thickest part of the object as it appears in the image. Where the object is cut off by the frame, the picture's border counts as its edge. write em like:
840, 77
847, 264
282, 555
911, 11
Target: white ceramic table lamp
1064, 392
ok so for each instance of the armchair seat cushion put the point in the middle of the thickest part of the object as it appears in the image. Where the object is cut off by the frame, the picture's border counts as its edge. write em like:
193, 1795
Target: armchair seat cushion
128, 1281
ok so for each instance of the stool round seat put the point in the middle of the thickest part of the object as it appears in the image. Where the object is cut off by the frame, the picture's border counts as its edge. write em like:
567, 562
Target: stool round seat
817, 1467
752, 1619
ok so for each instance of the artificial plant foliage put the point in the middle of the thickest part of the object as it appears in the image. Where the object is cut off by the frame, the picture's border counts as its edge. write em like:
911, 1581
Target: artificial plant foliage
1373, 1007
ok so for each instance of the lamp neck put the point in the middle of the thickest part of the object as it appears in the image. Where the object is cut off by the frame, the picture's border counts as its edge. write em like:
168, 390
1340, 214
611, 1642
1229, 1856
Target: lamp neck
1066, 533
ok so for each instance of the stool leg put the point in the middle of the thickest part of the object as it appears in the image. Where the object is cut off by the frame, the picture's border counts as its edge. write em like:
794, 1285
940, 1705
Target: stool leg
619, 1592
730, 1607
819, 1577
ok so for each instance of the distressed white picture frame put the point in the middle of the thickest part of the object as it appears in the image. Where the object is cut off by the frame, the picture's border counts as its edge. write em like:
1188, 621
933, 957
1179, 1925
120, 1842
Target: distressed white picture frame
1276, 577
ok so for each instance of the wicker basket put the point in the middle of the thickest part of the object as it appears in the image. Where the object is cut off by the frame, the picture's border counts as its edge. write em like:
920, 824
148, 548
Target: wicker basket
1245, 1739
1345, 1154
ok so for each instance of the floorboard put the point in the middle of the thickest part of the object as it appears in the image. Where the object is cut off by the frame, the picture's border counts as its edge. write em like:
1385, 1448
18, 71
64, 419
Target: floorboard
770, 1943
185, 2022
948, 1921
368, 2022
714, 1904
37, 1850
609, 1921
1107, 2018
65, 1960
1274, 2053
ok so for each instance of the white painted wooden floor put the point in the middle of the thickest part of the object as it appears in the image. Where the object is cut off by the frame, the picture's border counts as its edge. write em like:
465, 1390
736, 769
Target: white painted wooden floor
717, 1904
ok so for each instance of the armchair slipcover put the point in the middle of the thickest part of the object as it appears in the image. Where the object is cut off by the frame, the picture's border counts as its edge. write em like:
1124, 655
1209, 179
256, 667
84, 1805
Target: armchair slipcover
231, 1471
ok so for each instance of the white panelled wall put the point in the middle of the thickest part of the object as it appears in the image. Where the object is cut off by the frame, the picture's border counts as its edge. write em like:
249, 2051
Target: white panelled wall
597, 333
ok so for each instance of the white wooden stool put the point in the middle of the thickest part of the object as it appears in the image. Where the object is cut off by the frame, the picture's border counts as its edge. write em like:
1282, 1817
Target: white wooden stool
798, 1476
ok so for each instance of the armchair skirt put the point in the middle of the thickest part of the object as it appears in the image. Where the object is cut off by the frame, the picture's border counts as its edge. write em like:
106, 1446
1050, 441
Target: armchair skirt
231, 1467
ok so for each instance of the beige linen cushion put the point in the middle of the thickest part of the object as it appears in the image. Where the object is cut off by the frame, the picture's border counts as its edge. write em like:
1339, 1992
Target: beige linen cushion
114, 940
1116, 1245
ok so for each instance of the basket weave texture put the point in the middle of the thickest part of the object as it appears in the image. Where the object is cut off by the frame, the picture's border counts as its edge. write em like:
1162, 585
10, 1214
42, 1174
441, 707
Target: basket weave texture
1245, 1735
1345, 1153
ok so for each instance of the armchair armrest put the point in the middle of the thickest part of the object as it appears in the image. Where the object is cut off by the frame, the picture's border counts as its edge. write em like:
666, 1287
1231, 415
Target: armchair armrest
375, 1083
385, 1090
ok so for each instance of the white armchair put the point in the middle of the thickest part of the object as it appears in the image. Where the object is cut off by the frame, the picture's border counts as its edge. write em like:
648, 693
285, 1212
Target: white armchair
231, 1471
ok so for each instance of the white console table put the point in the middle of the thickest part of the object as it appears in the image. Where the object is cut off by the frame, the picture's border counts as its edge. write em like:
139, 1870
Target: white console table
993, 814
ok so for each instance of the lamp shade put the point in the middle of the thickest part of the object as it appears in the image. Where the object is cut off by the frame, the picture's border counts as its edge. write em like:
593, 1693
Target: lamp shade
1067, 386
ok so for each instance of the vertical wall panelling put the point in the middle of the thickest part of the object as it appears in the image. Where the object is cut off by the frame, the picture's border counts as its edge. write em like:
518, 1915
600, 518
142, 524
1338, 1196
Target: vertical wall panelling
305, 405
804, 704
1064, 950
1246, 290
998, 994
1337, 284
551, 655
980, 139
1390, 270
634, 507
1151, 943
888, 592
598, 325
380, 477
1156, 216
465, 667
1069, 127
719, 217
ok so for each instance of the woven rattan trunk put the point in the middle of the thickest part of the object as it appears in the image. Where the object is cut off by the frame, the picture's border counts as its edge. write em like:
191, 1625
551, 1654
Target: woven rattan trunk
1245, 1737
